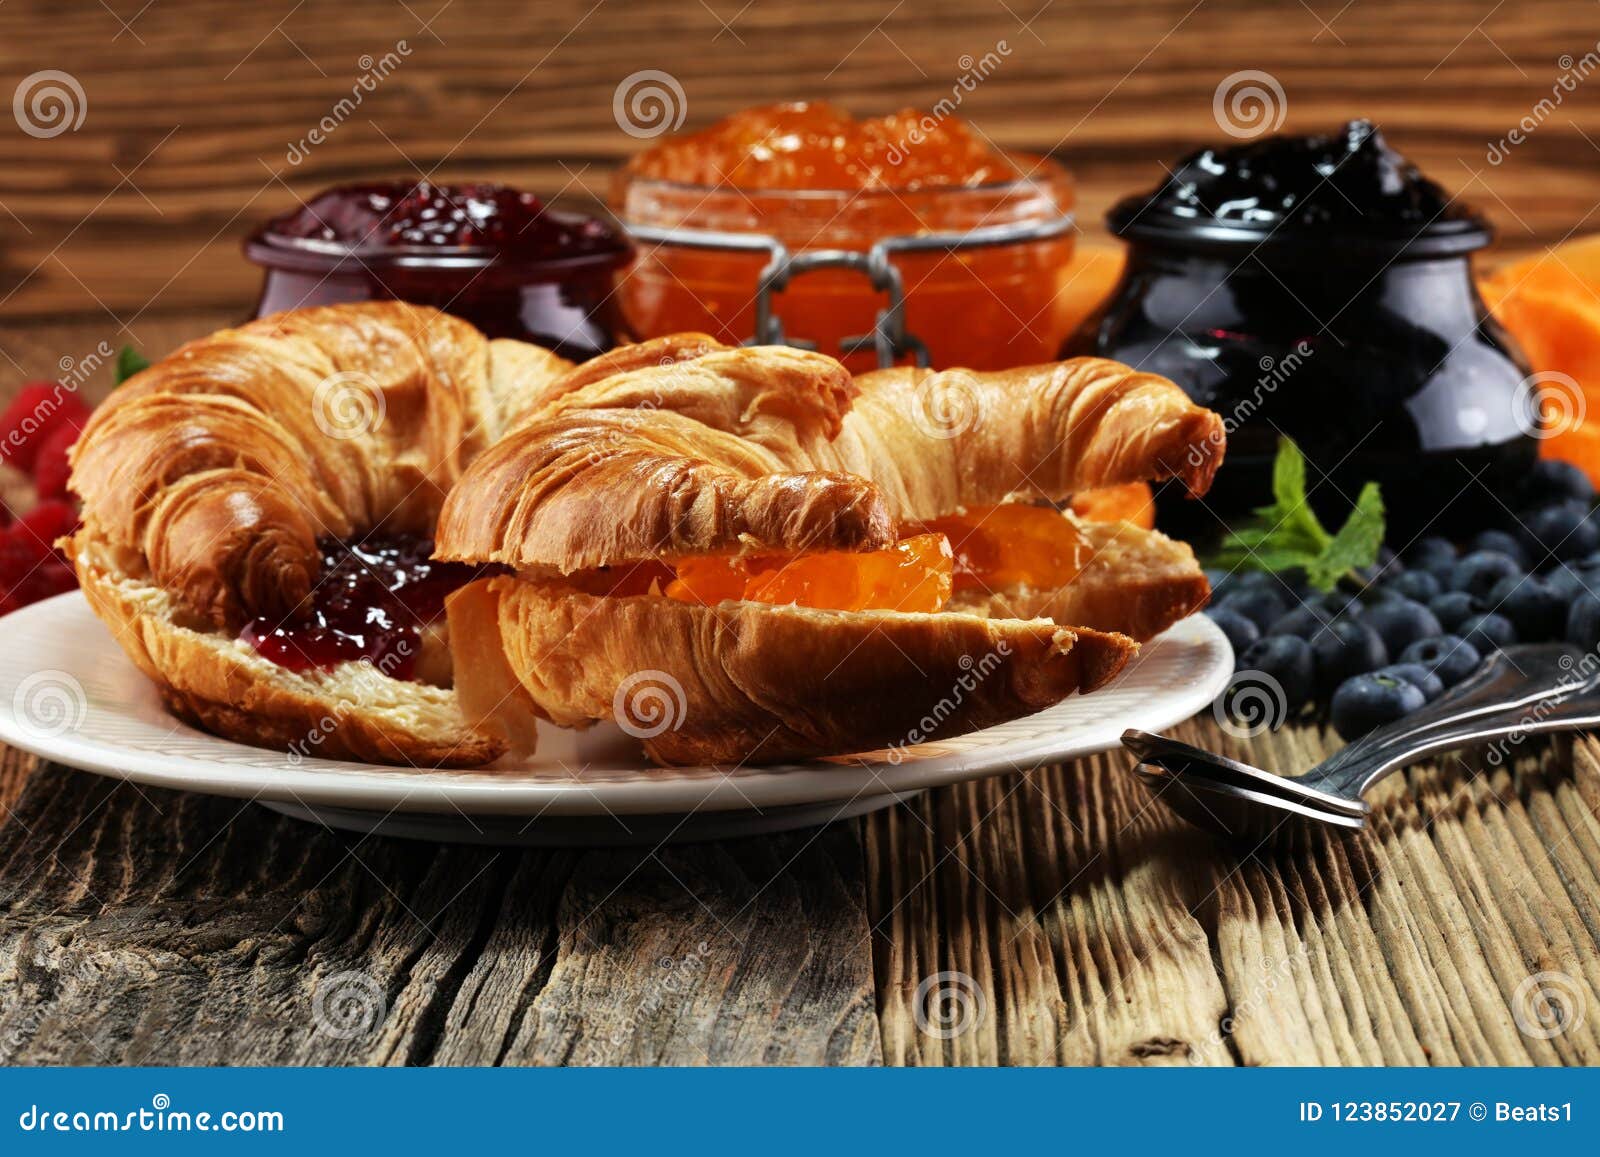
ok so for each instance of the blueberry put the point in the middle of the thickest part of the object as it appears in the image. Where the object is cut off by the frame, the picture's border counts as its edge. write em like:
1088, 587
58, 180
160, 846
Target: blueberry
1218, 580
1401, 622
1425, 680
1535, 606
1241, 631
1450, 657
1504, 542
1583, 622
1552, 481
1427, 553
1453, 608
1338, 603
1303, 622
1477, 572
1287, 660
1563, 531
1488, 632
1364, 702
1344, 648
1260, 606
1414, 584
1442, 572
1255, 580
1573, 579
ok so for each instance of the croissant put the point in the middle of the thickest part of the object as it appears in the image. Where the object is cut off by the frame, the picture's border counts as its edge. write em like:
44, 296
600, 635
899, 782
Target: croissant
679, 449
209, 480
214, 482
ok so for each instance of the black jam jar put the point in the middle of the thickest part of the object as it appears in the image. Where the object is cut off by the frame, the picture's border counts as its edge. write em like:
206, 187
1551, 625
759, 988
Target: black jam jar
1320, 287
488, 254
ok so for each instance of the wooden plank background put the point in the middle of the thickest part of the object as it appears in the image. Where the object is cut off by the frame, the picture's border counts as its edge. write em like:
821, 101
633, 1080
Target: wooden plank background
192, 105
1079, 923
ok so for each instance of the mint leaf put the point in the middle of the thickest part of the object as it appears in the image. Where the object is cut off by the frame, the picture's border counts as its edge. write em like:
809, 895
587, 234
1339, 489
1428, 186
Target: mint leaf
1356, 544
1287, 535
129, 362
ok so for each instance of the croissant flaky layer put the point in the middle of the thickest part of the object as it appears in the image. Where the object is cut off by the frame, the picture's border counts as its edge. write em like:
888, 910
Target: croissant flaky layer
221, 465
742, 682
684, 447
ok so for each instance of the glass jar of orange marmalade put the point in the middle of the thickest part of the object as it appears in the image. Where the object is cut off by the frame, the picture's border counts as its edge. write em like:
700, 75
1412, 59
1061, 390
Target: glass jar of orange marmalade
896, 239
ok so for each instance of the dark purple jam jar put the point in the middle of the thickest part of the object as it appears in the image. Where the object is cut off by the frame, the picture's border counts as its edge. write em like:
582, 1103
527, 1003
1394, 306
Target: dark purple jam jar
1321, 287
491, 255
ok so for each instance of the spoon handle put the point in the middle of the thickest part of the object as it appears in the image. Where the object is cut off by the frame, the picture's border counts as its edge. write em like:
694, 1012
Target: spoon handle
1518, 690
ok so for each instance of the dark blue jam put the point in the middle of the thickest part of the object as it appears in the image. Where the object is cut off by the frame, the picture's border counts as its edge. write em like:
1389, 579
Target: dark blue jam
1320, 287
1350, 179
371, 603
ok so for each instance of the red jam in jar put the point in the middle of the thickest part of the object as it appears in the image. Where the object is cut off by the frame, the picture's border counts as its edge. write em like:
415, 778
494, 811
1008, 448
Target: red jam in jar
816, 179
496, 257
372, 602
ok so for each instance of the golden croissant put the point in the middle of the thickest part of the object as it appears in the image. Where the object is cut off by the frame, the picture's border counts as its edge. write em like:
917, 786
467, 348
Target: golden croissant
807, 564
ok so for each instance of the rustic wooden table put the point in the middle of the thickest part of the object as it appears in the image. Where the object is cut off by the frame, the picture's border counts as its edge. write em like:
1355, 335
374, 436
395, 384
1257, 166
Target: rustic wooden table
1082, 924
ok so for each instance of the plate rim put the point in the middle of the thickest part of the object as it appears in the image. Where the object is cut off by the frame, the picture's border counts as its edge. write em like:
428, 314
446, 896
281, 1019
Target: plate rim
375, 787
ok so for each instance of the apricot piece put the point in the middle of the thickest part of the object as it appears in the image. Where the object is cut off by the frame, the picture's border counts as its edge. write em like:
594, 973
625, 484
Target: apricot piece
1084, 283
1550, 304
914, 575
1012, 544
1132, 502
708, 580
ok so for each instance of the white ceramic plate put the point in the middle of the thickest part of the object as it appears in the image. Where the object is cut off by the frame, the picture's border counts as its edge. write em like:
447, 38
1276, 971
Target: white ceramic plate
69, 694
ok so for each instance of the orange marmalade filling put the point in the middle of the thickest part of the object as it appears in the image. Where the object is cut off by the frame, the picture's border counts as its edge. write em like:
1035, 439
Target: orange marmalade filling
983, 548
913, 575
815, 145
1012, 545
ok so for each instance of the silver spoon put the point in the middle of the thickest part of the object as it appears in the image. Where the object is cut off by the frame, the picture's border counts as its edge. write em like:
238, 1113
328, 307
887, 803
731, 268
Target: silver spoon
1517, 691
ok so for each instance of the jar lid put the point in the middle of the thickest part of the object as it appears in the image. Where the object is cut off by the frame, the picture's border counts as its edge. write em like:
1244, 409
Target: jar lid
1341, 193
445, 228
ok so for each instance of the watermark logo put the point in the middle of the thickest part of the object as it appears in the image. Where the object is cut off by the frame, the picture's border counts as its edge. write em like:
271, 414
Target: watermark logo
50, 703
974, 71
1548, 1004
948, 1005
374, 71
648, 103
1548, 403
348, 405
49, 103
1251, 703
648, 704
1249, 103
948, 405
1574, 71
348, 1005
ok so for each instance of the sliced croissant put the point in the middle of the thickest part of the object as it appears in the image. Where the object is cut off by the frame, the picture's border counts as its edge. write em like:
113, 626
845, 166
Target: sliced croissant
706, 449
682, 448
208, 480
746, 682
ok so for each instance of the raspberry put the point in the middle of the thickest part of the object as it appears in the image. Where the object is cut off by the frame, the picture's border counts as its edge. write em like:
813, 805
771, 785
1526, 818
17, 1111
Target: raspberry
50, 469
38, 409
40, 527
16, 558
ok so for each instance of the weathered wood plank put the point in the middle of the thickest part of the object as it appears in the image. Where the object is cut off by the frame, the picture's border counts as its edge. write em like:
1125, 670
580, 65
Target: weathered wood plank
158, 927
1425, 939
143, 206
